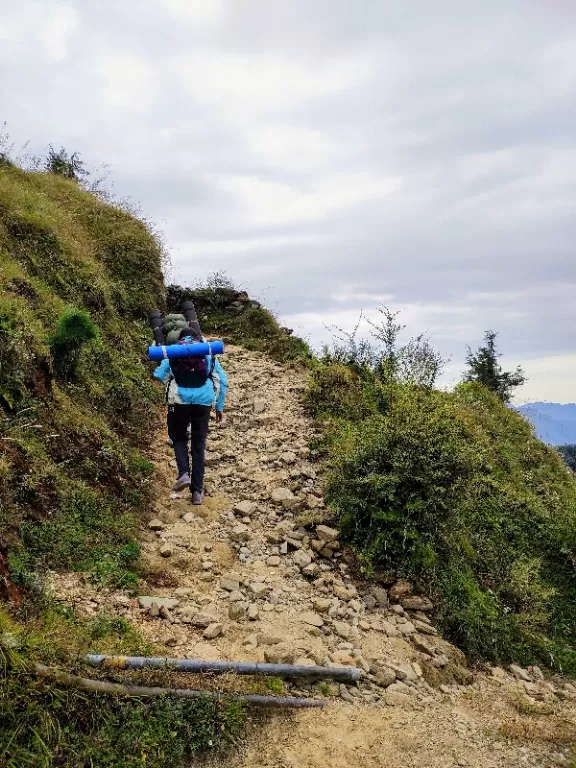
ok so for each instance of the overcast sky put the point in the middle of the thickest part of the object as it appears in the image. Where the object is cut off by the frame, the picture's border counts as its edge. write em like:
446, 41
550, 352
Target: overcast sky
331, 155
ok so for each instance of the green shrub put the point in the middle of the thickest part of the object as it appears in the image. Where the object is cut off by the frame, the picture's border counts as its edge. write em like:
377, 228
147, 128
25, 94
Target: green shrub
74, 330
453, 491
568, 453
336, 390
63, 164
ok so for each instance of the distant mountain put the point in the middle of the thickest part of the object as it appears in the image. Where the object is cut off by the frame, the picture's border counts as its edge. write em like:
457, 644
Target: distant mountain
554, 423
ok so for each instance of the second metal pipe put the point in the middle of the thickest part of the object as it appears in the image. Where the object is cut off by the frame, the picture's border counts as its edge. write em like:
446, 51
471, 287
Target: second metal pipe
342, 674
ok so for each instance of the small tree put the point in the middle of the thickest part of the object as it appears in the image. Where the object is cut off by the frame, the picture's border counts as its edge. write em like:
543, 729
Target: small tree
568, 453
62, 164
484, 368
416, 362
350, 349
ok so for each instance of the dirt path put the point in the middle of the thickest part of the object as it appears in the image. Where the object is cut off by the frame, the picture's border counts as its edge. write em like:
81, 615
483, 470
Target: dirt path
242, 578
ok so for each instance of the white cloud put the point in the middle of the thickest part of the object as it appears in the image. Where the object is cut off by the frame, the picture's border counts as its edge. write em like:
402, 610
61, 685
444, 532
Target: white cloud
549, 378
195, 11
264, 83
55, 32
268, 203
223, 247
127, 82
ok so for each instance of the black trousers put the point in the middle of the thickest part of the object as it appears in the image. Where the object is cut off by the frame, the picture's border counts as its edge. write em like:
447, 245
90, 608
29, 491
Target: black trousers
198, 416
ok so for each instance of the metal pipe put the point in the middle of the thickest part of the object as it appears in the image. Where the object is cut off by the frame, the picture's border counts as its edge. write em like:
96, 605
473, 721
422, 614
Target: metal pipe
342, 674
117, 689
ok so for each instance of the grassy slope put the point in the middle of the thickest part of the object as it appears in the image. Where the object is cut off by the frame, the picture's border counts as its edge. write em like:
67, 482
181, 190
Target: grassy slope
72, 480
454, 491
71, 446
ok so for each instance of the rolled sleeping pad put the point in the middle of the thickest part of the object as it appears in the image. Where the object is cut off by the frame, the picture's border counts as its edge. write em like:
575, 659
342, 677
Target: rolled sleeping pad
197, 349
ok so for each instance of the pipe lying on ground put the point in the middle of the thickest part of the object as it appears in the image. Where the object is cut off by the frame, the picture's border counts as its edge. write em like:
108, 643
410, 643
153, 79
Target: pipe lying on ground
342, 674
117, 689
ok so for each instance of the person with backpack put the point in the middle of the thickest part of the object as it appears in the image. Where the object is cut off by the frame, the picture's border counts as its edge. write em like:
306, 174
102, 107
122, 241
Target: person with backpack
193, 386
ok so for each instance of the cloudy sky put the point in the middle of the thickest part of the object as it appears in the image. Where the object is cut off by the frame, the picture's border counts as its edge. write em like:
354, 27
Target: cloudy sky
333, 155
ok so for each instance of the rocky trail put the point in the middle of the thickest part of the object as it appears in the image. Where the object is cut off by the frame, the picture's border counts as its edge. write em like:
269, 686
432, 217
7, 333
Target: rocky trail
249, 576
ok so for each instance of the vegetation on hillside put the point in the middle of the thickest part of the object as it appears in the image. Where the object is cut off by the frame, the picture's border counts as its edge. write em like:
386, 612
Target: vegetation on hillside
228, 312
453, 491
77, 278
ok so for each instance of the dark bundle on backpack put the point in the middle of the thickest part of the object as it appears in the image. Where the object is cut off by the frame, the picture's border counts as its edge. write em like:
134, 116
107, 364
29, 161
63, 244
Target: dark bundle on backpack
173, 325
167, 330
155, 320
191, 317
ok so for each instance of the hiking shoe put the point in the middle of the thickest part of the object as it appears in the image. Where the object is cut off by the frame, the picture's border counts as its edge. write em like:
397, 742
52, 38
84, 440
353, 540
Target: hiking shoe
197, 497
182, 482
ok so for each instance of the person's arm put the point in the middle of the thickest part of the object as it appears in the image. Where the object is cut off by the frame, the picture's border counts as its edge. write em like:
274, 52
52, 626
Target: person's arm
223, 386
163, 371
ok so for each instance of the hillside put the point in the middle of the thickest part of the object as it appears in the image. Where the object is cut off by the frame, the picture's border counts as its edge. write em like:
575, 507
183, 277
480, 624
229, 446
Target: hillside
77, 278
275, 586
453, 491
554, 423
420, 537
75, 393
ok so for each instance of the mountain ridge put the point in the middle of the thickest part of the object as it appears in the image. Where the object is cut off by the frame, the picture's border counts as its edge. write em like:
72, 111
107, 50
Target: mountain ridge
554, 423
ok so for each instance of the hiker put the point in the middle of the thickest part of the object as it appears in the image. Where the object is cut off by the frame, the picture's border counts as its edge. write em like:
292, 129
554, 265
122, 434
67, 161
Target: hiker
193, 386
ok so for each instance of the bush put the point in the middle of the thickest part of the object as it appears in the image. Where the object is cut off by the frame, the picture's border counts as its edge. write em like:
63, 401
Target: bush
74, 330
382, 357
453, 491
63, 164
568, 453
336, 390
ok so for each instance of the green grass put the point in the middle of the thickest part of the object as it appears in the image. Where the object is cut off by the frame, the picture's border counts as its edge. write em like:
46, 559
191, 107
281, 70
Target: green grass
454, 492
47, 725
77, 278
275, 685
